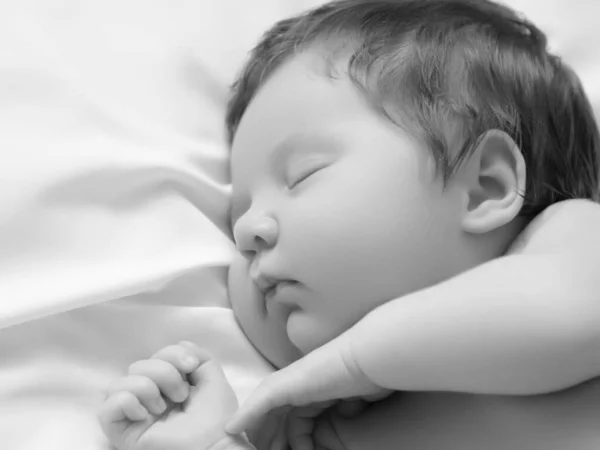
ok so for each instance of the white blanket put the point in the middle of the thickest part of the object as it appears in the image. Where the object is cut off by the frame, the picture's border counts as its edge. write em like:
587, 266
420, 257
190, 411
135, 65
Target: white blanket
114, 189
113, 200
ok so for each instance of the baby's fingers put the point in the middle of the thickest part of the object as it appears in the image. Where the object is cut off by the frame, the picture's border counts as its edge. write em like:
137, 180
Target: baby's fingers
121, 406
165, 376
144, 389
181, 356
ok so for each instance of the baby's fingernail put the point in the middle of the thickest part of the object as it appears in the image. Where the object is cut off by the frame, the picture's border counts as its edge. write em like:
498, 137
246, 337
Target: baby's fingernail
190, 361
182, 393
142, 414
160, 405
230, 428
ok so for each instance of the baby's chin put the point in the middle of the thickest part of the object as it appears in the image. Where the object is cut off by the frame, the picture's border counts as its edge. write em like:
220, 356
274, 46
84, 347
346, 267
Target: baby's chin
306, 334
296, 339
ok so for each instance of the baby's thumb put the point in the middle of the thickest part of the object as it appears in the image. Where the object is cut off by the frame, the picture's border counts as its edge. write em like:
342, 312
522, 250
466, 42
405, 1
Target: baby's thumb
209, 386
208, 372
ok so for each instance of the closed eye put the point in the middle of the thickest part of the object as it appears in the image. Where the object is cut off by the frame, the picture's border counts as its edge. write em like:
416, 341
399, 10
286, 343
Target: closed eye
303, 176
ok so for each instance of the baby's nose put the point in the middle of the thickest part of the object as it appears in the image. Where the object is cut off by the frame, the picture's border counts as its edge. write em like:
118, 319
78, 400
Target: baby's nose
255, 234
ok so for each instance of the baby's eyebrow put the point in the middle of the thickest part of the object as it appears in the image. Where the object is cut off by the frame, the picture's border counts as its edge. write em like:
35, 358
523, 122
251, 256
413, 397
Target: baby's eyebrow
321, 141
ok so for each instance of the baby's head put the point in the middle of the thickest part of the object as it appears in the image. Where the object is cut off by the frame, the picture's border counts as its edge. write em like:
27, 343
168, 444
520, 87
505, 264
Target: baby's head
380, 147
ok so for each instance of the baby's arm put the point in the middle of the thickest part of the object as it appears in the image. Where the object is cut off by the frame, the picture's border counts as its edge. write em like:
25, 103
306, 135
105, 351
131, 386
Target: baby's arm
523, 324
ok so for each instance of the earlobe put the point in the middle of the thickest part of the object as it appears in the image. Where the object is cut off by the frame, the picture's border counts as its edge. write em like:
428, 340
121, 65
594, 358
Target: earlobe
495, 191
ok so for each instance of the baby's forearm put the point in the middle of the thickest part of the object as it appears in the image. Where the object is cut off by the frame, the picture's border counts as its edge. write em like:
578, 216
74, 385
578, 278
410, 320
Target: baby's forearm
521, 324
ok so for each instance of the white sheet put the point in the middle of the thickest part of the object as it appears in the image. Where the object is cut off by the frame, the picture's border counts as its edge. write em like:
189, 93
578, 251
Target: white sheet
113, 191
113, 198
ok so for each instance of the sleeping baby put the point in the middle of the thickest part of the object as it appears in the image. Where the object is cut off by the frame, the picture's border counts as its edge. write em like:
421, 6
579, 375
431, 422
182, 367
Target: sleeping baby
425, 151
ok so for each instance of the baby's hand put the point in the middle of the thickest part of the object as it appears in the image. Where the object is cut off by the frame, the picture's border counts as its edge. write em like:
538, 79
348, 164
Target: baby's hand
179, 399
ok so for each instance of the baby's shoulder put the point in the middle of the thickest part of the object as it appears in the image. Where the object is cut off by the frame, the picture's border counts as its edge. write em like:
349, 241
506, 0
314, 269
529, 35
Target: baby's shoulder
569, 212
566, 223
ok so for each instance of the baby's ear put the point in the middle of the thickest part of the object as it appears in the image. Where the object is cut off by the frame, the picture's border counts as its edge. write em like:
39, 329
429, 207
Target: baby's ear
496, 183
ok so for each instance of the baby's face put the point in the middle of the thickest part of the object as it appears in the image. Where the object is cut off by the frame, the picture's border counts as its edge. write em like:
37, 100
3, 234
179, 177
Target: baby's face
335, 211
